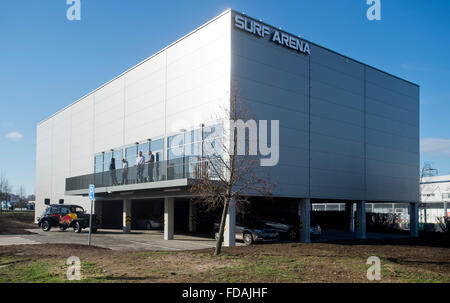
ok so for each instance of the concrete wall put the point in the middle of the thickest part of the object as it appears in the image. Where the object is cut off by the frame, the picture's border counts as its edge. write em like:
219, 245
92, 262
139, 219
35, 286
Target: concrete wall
347, 131
178, 87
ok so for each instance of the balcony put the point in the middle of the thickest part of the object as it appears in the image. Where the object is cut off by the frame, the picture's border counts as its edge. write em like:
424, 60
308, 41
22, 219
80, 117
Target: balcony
162, 174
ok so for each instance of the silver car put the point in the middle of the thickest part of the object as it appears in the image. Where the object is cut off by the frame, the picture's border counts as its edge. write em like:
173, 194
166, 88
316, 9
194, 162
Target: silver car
252, 232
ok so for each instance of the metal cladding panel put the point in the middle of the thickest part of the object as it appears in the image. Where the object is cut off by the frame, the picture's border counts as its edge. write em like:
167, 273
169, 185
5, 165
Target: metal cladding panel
82, 137
392, 139
342, 123
337, 126
109, 113
198, 77
273, 83
145, 92
394, 84
256, 91
342, 65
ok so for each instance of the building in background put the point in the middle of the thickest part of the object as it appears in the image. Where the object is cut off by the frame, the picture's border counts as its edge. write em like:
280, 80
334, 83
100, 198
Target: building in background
349, 133
434, 198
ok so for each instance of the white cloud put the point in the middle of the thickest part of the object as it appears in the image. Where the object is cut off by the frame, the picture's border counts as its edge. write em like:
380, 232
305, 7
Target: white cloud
14, 136
435, 146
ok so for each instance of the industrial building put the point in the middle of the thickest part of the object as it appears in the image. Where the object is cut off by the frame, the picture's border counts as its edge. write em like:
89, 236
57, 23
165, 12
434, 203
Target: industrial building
434, 198
348, 132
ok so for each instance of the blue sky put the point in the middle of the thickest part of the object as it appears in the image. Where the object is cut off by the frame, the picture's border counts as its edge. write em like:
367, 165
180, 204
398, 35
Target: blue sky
47, 61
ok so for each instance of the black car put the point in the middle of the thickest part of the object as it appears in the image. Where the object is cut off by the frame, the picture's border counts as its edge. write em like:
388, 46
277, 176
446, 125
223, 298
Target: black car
66, 216
288, 225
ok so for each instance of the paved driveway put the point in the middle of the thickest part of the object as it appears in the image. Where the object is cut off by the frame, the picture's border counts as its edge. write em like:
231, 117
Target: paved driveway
113, 239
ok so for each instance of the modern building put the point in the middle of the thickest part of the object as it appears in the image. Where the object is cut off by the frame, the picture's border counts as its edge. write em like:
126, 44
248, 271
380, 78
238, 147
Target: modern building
434, 198
348, 132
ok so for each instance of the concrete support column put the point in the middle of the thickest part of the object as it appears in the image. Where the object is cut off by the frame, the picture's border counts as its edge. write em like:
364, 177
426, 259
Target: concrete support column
425, 216
229, 235
445, 209
414, 219
168, 218
126, 216
350, 216
192, 217
361, 220
304, 212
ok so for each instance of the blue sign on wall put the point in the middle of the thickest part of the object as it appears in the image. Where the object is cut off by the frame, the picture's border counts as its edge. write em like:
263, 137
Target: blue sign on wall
92, 192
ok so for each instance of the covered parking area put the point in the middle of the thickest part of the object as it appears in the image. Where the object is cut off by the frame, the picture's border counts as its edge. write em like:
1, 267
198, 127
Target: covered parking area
128, 207
338, 219
178, 214
354, 216
170, 214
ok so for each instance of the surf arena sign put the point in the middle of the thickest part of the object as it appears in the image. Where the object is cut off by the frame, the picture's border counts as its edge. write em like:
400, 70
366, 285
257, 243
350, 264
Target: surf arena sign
276, 36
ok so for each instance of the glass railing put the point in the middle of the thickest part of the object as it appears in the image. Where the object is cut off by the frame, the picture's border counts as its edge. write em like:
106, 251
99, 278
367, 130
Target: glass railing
181, 168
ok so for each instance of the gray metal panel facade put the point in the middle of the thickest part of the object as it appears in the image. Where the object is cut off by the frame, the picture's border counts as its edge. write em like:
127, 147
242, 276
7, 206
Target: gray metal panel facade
274, 83
347, 130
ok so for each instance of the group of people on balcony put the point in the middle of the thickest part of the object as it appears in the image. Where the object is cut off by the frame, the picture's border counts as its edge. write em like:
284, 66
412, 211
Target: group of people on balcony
140, 164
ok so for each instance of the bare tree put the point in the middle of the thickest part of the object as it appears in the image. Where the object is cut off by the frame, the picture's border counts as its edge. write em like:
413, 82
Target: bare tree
444, 224
21, 193
5, 189
226, 176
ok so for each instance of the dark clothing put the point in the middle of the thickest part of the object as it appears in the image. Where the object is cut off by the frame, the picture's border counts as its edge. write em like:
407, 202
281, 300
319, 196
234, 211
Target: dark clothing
112, 165
112, 170
151, 162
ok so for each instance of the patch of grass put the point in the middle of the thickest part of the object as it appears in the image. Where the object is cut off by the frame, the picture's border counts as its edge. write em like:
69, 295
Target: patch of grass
37, 271
258, 268
49, 271
5, 259
406, 273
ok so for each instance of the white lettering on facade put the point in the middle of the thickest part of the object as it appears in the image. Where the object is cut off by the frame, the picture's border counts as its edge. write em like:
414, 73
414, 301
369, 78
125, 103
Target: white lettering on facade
262, 31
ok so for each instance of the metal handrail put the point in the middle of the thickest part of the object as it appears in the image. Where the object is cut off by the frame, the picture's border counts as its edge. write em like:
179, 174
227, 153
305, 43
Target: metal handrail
192, 167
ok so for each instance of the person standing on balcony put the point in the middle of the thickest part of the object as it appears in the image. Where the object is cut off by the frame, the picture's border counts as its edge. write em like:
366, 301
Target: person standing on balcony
112, 171
151, 161
124, 171
140, 161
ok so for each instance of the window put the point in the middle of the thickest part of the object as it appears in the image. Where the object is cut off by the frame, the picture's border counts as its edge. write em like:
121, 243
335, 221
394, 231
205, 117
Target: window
107, 160
54, 210
65, 210
212, 140
76, 209
130, 154
144, 147
156, 145
157, 148
118, 155
212, 131
98, 163
212, 147
175, 147
193, 143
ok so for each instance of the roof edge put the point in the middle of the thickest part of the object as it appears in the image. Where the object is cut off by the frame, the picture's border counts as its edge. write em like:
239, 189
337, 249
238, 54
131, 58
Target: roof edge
330, 50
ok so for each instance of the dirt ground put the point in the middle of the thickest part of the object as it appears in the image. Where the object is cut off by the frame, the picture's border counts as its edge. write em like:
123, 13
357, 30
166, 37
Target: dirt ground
426, 259
288, 262
16, 223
